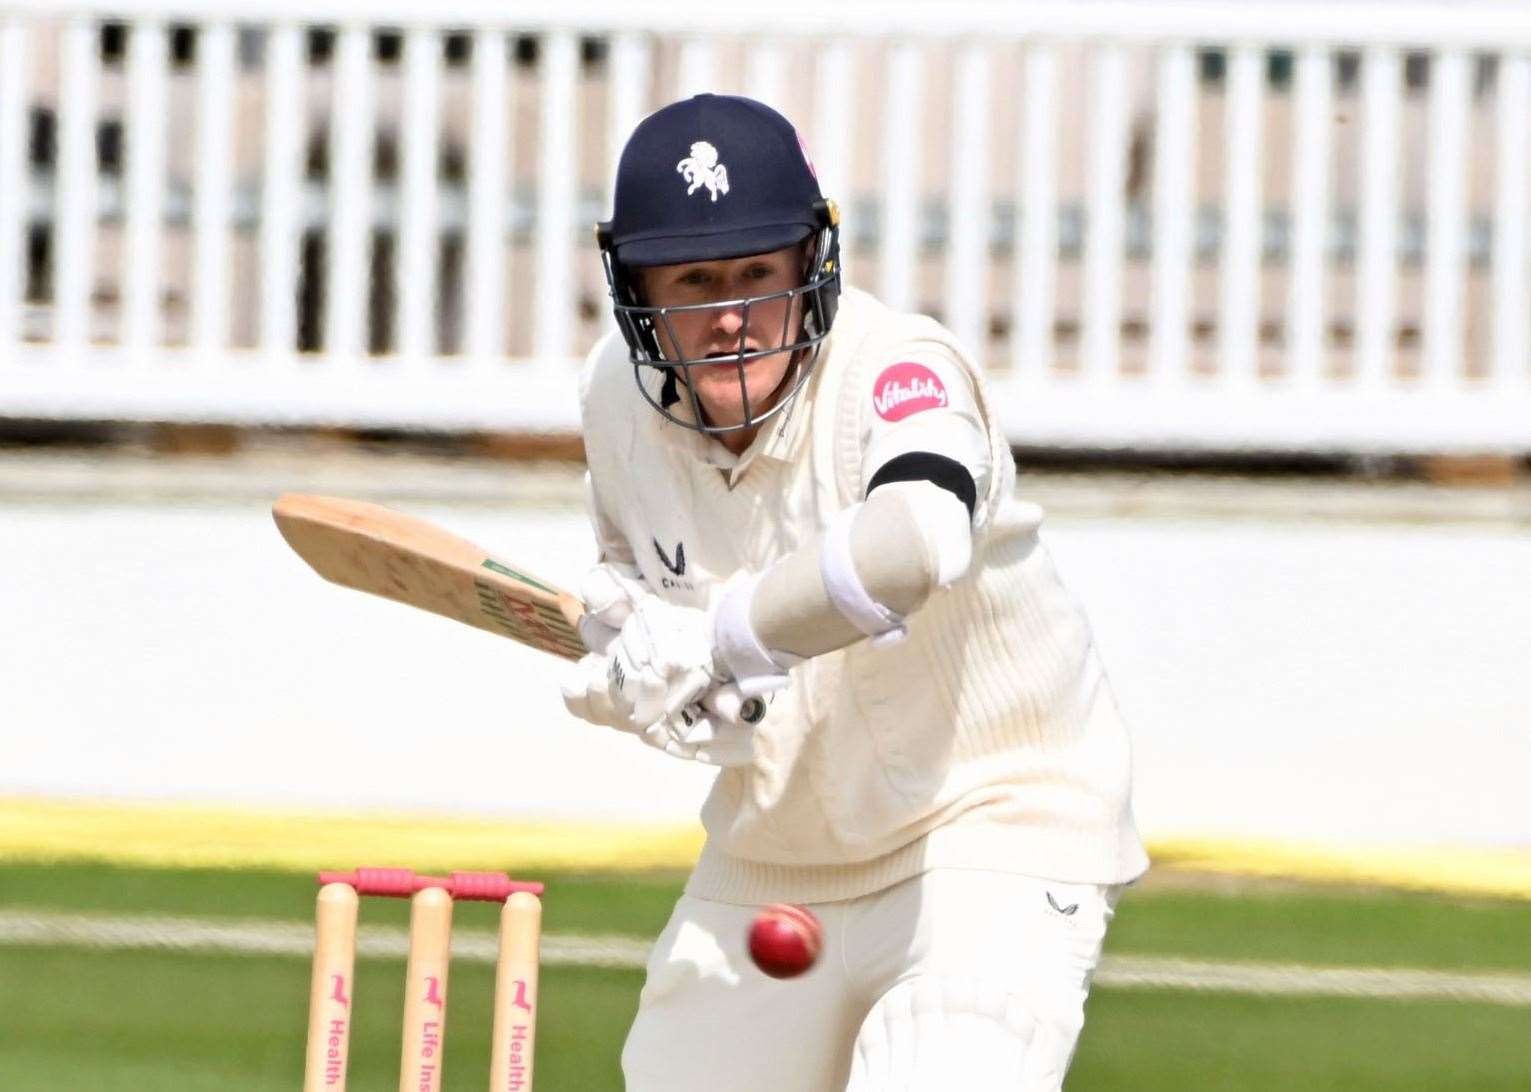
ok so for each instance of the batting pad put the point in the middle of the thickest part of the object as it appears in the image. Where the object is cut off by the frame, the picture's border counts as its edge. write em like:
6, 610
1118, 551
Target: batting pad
949, 1032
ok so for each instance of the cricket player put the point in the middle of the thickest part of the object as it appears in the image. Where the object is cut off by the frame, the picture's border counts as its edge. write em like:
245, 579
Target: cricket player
801, 491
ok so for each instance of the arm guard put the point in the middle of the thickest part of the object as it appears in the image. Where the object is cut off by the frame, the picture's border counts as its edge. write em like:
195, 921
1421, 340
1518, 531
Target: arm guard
907, 539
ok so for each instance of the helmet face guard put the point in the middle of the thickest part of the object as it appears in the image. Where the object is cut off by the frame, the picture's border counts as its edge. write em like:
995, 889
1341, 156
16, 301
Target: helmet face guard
813, 303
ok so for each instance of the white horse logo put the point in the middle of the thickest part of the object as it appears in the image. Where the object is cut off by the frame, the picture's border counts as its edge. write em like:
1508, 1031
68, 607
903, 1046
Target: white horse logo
701, 168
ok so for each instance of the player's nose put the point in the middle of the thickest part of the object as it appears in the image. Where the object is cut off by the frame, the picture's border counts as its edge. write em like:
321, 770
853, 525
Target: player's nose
728, 321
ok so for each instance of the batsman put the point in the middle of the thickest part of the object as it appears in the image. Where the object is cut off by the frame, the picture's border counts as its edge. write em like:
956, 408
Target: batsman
801, 491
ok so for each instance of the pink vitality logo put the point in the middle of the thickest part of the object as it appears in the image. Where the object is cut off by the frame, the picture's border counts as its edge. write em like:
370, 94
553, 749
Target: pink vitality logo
907, 388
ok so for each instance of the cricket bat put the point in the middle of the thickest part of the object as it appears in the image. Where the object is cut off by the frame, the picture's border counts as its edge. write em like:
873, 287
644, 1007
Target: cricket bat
412, 561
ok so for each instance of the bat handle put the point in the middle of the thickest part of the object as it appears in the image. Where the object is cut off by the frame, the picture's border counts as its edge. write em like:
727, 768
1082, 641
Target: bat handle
728, 703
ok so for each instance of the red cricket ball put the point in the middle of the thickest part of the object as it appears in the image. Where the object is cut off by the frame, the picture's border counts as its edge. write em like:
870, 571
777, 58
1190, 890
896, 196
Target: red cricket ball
785, 940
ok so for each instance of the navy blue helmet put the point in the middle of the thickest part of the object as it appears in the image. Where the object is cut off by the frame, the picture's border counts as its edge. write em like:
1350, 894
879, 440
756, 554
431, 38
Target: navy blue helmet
710, 178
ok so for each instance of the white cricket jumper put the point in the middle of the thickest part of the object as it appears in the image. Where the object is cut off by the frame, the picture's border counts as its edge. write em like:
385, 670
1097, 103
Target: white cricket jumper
989, 739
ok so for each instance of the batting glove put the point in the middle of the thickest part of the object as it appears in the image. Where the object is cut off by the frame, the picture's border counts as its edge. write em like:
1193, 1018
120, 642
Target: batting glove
610, 596
661, 662
698, 734
709, 732
587, 696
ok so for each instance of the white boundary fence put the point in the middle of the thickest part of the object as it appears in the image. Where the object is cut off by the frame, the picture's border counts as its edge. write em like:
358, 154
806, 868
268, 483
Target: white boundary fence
1273, 225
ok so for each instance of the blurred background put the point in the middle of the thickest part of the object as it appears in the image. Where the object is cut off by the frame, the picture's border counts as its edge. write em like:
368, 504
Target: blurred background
1250, 281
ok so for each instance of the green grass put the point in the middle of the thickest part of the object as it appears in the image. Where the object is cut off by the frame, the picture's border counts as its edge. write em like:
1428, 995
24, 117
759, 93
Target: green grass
1304, 924
635, 904
103, 1020
1178, 1041
1326, 926
140, 1020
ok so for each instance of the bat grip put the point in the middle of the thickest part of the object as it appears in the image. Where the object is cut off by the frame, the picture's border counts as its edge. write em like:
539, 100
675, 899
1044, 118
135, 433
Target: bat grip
731, 705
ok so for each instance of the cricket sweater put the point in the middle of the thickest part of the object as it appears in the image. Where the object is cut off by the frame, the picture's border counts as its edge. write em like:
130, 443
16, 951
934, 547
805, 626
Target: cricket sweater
988, 739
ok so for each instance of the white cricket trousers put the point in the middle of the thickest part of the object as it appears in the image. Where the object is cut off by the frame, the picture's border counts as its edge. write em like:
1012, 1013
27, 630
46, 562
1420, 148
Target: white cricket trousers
954, 979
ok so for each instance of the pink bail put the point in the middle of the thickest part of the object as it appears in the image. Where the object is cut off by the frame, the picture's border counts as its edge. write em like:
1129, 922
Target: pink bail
488, 886
401, 883
397, 883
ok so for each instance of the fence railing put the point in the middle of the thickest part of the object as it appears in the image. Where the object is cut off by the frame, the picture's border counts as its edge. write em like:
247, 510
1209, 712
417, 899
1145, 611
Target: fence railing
1278, 225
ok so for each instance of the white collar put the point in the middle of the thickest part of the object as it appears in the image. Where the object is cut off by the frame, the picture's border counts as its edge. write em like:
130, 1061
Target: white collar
777, 439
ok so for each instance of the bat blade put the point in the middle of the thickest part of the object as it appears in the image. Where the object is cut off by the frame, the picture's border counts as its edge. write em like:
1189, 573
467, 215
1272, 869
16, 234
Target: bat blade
412, 561
374, 549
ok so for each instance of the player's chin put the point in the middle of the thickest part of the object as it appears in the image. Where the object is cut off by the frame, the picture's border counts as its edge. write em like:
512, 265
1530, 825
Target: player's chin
724, 401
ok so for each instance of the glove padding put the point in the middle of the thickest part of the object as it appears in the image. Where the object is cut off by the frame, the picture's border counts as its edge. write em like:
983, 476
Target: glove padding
697, 732
702, 729
585, 693
644, 642
661, 662
610, 597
